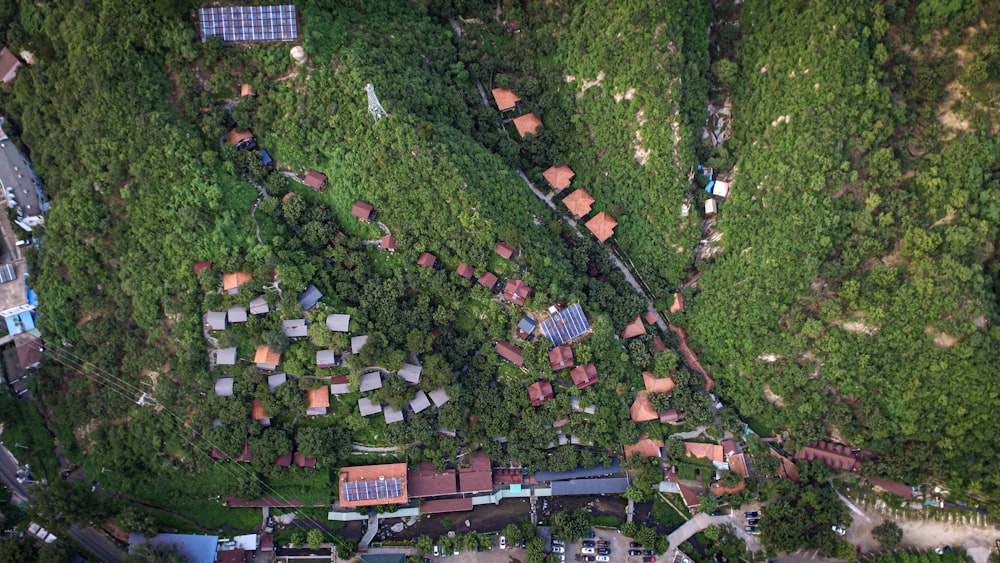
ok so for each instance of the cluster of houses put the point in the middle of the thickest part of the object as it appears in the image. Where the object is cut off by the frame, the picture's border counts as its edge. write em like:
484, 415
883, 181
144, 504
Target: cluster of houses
559, 177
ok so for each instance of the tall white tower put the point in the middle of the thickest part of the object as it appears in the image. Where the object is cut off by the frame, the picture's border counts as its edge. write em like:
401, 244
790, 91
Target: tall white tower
374, 107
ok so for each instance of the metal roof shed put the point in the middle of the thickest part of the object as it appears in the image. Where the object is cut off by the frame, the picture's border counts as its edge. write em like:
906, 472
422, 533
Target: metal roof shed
410, 373
338, 323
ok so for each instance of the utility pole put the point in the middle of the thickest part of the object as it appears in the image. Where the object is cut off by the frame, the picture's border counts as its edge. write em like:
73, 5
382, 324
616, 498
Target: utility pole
374, 107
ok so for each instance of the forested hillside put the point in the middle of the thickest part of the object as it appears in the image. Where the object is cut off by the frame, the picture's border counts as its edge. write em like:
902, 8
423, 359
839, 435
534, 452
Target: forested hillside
855, 293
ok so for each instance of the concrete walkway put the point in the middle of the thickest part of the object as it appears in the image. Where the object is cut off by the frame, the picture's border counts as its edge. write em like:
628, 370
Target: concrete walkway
372, 529
374, 449
699, 523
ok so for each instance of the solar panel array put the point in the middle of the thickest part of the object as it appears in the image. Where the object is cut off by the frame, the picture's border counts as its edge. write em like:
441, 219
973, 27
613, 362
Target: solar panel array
249, 23
565, 325
354, 491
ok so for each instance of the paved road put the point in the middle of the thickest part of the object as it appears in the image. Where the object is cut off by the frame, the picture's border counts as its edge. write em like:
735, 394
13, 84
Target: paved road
91, 539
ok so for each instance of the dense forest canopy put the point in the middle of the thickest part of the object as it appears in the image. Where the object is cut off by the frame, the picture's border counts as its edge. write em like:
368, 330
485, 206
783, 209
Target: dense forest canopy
852, 294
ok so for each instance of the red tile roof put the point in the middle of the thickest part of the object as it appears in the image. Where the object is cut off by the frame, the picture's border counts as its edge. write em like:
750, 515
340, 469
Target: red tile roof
478, 477
199, 266
516, 291
655, 384
257, 410
247, 455
508, 476
711, 452
738, 464
426, 260
642, 410
579, 202
527, 124
558, 177
266, 355
465, 270
561, 357
284, 460
650, 317
787, 469
426, 481
505, 99
504, 250
510, 353
234, 280
678, 304
602, 225
832, 455
388, 243
315, 180
689, 496
488, 280
539, 392
371, 473
362, 210
318, 397
893, 487
584, 376
634, 328
671, 416
439, 506
644, 447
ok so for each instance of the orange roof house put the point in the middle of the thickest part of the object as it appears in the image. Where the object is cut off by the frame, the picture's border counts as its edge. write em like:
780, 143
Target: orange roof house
656, 384
527, 124
584, 376
266, 358
787, 469
539, 392
711, 452
579, 202
678, 305
242, 140
246, 90
317, 401
234, 280
559, 177
642, 410
738, 464
561, 357
602, 225
633, 329
505, 99
371, 485
257, 410
466, 271
644, 447
504, 250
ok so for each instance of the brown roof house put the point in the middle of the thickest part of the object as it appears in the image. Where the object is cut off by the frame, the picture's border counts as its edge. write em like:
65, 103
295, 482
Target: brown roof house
428, 260
505, 99
488, 280
478, 477
561, 357
655, 384
539, 392
242, 140
315, 180
466, 271
633, 329
266, 358
363, 211
504, 250
584, 376
892, 487
602, 225
832, 455
510, 353
516, 291
527, 124
559, 177
642, 410
8, 66
644, 447
579, 202
387, 243
426, 481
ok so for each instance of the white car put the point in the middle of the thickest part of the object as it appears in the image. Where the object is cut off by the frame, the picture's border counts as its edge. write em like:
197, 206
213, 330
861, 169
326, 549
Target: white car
588, 551
503, 542
603, 558
558, 549
838, 530
437, 550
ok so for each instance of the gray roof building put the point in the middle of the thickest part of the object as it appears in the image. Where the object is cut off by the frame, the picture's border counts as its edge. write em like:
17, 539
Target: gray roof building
410, 373
325, 359
580, 472
309, 297
224, 387
258, 306
370, 381
420, 402
339, 385
338, 323
439, 396
605, 486
368, 407
294, 328
225, 357
392, 415
237, 314
215, 320
21, 186
357, 343
276, 380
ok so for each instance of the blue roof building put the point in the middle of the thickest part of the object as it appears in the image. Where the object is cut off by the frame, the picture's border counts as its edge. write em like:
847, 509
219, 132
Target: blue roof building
310, 297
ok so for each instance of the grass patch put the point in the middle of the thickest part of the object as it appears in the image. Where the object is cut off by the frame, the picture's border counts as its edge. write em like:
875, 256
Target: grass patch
25, 435
607, 521
665, 515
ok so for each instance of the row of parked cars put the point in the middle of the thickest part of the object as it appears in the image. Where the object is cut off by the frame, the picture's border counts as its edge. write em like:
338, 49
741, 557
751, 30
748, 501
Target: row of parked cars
753, 520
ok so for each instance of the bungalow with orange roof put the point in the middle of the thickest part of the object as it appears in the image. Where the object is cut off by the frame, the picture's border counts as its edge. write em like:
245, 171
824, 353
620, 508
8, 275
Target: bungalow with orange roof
266, 358
584, 376
315, 180
656, 384
579, 202
232, 282
258, 413
527, 124
786, 468
387, 243
602, 226
559, 177
372, 485
242, 140
246, 90
645, 448
428, 260
516, 291
678, 304
317, 401
363, 211
505, 99
642, 409
510, 352
539, 392
504, 250
466, 271
561, 357
633, 329
488, 280
711, 452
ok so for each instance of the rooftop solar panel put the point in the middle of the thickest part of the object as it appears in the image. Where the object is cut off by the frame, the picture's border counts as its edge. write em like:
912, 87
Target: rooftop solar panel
565, 325
249, 23
372, 490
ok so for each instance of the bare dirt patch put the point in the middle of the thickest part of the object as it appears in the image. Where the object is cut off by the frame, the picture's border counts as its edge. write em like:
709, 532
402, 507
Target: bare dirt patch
941, 339
628, 95
588, 84
770, 397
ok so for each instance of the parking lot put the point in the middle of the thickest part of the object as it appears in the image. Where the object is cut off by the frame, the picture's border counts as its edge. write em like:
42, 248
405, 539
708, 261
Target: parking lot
617, 543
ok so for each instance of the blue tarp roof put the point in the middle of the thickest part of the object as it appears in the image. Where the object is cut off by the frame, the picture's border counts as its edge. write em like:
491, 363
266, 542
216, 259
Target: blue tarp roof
196, 549
709, 186
605, 486
13, 327
32, 297
580, 472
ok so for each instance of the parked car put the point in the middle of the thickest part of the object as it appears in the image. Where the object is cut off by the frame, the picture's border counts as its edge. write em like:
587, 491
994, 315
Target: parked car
437, 550
751, 514
750, 529
588, 551
602, 543
635, 544
838, 530
634, 552
753, 521
524, 544
557, 542
558, 549
604, 551
503, 542
588, 543
591, 534
648, 552
649, 560
562, 557
715, 513
603, 558
590, 558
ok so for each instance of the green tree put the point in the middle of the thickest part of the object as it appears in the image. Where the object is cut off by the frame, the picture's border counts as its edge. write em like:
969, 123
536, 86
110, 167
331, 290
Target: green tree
314, 538
571, 525
888, 533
